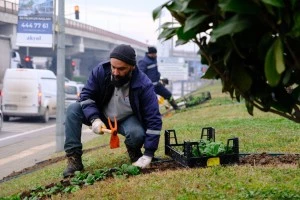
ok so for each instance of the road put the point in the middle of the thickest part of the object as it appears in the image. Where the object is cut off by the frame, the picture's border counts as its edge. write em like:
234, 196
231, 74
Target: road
25, 142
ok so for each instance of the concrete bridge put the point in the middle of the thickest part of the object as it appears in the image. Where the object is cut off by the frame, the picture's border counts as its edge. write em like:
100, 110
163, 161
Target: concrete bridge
84, 43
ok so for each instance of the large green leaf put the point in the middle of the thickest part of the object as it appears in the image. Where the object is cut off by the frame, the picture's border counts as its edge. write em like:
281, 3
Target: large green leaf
167, 33
198, 5
181, 42
274, 64
210, 74
177, 5
238, 6
276, 3
168, 25
235, 24
279, 62
241, 79
185, 35
157, 11
194, 21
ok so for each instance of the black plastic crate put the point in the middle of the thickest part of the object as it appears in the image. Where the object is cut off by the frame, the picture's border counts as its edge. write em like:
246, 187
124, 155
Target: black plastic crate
182, 153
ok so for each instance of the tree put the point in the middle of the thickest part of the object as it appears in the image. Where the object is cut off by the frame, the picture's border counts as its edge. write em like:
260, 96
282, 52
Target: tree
253, 46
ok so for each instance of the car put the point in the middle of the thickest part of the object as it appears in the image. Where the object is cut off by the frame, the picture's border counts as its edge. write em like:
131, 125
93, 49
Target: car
72, 92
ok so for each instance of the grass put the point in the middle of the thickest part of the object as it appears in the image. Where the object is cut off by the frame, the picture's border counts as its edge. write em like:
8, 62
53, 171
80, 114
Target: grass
263, 132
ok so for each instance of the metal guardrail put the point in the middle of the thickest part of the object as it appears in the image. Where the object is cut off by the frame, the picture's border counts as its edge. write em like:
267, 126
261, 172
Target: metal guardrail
184, 87
9, 7
12, 8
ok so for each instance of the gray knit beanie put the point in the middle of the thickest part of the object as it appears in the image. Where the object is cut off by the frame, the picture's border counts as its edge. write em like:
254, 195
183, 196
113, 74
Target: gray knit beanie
125, 53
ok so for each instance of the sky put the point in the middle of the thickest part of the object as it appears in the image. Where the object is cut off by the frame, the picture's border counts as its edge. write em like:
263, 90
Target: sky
131, 18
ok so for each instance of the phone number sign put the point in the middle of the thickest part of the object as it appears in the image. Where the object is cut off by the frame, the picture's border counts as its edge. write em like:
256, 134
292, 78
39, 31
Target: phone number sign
35, 26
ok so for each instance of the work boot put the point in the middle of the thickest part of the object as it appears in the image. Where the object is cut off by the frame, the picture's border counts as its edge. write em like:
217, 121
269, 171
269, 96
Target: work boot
173, 104
134, 154
74, 164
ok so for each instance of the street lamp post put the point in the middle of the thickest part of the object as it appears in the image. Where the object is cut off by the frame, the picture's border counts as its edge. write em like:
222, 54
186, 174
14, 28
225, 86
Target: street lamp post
60, 109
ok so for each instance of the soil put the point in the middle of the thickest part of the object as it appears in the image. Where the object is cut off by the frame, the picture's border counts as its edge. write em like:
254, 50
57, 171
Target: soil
251, 159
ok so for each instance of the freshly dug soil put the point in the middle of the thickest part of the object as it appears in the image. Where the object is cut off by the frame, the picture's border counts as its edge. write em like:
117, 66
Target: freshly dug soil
267, 159
252, 159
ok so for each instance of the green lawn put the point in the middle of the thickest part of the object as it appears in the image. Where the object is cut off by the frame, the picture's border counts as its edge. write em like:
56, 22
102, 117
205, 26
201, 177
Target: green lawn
263, 132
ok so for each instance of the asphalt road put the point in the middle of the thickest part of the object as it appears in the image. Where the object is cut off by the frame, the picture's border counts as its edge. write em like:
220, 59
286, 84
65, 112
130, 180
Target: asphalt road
25, 142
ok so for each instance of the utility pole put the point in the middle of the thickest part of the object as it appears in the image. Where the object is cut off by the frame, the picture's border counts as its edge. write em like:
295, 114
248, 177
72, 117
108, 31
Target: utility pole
60, 109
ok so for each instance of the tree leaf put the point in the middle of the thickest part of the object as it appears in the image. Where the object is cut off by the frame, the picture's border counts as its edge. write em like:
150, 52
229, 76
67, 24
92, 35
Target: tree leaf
194, 21
157, 11
241, 78
210, 74
181, 42
279, 62
271, 72
276, 3
238, 6
167, 33
249, 106
233, 25
167, 25
185, 35
287, 76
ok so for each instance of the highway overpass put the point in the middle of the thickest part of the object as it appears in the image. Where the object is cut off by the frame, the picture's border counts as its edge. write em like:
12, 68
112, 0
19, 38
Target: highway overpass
84, 43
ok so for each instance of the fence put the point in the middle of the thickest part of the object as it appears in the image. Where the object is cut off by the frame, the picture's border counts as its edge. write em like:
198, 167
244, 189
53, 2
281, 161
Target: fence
8, 7
185, 87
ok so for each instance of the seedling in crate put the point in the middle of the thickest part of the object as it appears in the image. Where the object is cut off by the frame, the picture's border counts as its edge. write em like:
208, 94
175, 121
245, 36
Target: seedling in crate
210, 149
206, 152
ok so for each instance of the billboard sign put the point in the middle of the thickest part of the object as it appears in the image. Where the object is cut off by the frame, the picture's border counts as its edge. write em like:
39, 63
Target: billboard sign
35, 23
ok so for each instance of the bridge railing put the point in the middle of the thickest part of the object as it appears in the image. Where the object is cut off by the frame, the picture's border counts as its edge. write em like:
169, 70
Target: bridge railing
85, 27
8, 7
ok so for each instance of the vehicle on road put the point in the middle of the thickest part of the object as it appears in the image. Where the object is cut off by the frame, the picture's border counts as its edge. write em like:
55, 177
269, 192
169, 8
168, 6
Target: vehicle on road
72, 92
29, 93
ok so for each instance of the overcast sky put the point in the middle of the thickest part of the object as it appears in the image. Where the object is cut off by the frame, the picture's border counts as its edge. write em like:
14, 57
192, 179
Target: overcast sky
131, 18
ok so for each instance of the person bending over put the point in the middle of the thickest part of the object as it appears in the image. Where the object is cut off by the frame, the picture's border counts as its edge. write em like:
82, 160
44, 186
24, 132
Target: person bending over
149, 66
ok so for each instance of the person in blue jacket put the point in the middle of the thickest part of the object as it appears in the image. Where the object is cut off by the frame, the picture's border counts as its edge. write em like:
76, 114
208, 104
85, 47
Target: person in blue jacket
116, 88
148, 65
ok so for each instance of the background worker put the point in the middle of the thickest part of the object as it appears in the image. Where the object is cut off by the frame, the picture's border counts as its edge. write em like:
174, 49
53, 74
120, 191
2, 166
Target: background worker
149, 66
115, 88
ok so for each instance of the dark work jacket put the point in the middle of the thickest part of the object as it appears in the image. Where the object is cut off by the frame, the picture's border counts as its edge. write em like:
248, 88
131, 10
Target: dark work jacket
98, 91
149, 66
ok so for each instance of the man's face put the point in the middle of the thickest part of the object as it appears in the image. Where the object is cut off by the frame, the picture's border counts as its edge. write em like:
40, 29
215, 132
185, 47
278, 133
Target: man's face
121, 72
152, 55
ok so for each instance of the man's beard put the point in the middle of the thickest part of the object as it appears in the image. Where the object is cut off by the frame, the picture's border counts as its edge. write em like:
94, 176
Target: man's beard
119, 81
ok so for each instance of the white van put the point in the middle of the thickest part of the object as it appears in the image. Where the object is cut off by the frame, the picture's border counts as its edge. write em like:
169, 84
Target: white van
29, 93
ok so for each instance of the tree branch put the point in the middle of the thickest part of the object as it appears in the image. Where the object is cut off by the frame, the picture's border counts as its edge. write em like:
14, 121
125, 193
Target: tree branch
285, 115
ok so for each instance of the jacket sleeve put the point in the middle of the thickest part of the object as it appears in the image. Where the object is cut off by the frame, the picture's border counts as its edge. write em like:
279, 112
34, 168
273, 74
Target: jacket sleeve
142, 65
89, 95
152, 119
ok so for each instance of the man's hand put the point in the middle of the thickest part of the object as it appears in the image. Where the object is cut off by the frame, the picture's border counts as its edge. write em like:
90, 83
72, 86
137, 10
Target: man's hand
97, 125
143, 162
